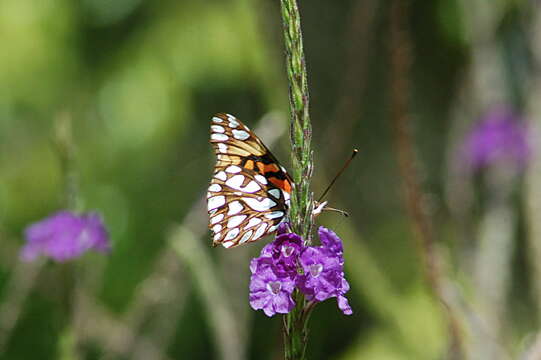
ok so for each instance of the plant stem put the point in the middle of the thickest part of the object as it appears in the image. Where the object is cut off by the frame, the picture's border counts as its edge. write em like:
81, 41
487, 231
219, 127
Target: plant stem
296, 330
300, 212
65, 147
400, 51
63, 139
300, 127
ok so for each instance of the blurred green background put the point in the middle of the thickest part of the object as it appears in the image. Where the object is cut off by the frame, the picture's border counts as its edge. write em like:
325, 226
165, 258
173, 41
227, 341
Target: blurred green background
139, 81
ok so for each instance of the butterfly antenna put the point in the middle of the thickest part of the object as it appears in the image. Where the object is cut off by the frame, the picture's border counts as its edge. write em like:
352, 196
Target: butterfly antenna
355, 151
327, 208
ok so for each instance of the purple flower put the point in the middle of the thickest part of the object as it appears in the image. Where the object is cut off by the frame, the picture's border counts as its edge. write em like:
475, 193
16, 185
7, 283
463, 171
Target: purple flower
332, 242
273, 275
283, 228
268, 291
284, 252
498, 138
64, 236
317, 271
323, 271
343, 305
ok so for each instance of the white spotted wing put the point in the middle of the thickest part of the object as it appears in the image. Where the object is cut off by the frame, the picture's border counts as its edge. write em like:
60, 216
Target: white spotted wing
249, 192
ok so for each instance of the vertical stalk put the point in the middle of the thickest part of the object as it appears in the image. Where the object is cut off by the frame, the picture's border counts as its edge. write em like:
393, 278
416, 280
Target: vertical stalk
300, 127
69, 342
533, 176
300, 212
66, 152
400, 52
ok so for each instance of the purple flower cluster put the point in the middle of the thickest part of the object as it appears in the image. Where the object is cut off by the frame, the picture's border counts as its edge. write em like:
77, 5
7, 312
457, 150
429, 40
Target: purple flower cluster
64, 236
286, 264
499, 138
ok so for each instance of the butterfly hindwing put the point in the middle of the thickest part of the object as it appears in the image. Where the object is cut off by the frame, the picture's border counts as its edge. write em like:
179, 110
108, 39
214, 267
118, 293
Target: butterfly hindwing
249, 192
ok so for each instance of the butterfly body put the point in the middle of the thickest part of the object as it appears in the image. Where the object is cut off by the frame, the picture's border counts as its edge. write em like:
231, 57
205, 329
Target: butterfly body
249, 192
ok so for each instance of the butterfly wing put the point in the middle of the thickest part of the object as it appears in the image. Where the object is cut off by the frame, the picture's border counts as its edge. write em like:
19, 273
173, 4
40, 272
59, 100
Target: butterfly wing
249, 192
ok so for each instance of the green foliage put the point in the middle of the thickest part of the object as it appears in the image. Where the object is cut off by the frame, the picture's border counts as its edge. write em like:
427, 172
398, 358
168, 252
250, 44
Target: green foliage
140, 80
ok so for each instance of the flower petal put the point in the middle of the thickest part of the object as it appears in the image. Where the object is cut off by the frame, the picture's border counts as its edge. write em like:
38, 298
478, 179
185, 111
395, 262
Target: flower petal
343, 305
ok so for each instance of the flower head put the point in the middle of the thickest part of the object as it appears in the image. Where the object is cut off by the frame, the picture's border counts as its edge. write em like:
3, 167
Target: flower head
268, 291
284, 251
323, 271
498, 138
64, 236
317, 271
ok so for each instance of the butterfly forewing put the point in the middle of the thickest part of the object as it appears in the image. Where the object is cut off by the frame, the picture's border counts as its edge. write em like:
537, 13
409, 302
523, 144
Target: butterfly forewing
249, 192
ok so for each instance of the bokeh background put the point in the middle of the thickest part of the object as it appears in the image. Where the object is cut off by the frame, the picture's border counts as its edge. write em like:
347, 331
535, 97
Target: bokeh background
440, 97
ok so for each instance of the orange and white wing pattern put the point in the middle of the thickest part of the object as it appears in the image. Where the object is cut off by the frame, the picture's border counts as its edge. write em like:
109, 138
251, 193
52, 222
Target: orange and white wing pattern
249, 192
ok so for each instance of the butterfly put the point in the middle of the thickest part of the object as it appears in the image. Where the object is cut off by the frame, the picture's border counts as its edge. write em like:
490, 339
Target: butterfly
249, 193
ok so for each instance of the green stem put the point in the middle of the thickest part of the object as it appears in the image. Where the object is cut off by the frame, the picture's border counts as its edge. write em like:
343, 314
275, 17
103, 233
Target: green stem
66, 153
421, 221
300, 128
296, 330
300, 212
69, 342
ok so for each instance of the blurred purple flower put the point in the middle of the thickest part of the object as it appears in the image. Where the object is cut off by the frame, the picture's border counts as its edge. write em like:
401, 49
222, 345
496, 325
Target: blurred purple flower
268, 291
64, 236
499, 137
285, 263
